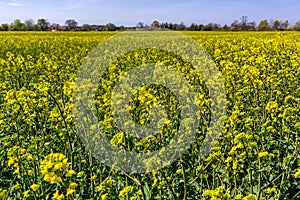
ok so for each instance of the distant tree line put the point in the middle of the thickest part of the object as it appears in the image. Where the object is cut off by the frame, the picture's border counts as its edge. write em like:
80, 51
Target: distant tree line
241, 24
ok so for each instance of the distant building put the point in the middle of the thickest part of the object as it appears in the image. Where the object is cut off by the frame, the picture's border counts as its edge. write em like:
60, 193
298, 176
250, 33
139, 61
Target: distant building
62, 28
65, 28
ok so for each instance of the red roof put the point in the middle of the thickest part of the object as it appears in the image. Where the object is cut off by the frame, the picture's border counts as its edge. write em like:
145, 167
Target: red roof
62, 28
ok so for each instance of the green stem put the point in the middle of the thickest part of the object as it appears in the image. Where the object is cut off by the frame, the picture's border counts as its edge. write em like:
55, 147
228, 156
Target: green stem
251, 181
259, 180
184, 182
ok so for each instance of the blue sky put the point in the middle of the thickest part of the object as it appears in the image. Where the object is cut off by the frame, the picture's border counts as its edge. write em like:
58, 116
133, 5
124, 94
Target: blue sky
130, 12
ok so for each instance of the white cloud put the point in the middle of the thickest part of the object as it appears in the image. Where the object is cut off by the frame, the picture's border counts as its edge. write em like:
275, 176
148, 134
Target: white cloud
13, 3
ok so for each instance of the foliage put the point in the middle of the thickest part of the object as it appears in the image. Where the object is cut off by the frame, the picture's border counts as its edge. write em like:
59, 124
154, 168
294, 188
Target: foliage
256, 157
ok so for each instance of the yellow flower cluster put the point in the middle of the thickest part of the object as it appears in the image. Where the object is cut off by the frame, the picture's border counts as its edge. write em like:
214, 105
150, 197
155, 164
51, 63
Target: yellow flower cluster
58, 196
219, 193
297, 174
52, 166
126, 191
255, 157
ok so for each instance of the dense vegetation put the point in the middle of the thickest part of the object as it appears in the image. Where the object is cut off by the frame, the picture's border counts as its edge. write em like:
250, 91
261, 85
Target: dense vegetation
256, 156
241, 24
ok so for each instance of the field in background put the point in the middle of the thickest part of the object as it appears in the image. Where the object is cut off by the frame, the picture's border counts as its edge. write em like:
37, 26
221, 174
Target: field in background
256, 157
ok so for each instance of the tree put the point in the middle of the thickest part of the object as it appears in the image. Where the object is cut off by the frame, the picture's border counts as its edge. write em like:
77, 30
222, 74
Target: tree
71, 23
181, 26
296, 26
275, 25
225, 28
215, 27
251, 26
140, 25
211, 27
54, 26
207, 27
4, 27
164, 25
42, 24
86, 27
176, 27
263, 25
110, 27
36, 27
193, 27
244, 22
17, 25
122, 28
155, 24
234, 25
284, 25
29, 24
170, 26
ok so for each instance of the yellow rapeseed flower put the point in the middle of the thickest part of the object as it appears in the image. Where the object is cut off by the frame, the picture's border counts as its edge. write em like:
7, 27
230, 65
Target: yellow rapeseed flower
70, 191
73, 185
93, 177
34, 187
125, 191
56, 194
104, 196
10, 161
30, 172
70, 173
80, 174
17, 170
263, 154
25, 193
60, 197
297, 174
